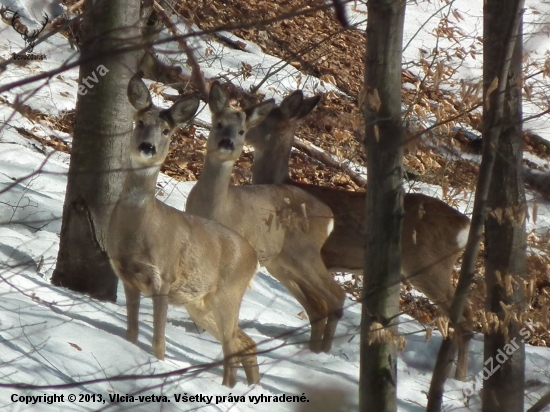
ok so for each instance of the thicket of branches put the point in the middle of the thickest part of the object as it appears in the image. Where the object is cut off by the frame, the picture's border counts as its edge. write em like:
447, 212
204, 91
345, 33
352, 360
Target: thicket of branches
442, 114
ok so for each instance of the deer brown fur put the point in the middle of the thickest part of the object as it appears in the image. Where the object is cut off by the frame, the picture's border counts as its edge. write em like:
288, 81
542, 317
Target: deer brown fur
172, 256
433, 235
286, 225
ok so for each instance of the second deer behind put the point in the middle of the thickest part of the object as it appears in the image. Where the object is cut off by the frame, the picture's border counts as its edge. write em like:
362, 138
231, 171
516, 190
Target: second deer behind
433, 234
286, 226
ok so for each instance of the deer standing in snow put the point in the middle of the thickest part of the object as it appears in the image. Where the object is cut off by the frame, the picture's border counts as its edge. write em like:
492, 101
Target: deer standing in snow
172, 256
433, 235
286, 225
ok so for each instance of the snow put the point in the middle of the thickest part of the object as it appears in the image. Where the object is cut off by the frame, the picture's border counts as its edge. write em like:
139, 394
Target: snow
75, 345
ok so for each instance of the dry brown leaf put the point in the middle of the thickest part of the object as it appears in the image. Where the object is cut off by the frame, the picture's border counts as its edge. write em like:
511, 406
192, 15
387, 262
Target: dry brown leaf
492, 87
374, 101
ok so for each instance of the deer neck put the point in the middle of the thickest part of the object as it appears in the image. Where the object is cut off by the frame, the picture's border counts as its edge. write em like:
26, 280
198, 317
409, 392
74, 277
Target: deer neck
271, 165
212, 189
139, 187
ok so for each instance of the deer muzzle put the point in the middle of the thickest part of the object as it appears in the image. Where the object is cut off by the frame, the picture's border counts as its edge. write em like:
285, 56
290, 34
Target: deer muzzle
226, 144
147, 149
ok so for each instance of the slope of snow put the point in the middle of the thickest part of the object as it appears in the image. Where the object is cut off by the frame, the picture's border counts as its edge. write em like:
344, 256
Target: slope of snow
53, 336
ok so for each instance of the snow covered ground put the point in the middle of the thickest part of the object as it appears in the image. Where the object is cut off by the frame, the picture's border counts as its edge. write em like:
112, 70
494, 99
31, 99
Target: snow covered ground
74, 345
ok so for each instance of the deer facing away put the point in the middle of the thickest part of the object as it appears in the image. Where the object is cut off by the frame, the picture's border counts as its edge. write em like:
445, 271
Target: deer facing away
172, 256
286, 226
433, 235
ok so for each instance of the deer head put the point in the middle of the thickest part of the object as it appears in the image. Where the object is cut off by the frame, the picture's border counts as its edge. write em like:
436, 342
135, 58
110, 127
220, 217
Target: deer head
230, 125
283, 120
154, 126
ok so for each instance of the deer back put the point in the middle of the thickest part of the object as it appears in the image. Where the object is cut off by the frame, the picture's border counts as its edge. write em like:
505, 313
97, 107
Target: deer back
436, 231
271, 215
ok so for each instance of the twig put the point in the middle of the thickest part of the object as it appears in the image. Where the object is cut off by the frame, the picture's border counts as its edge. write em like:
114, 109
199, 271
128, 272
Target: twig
144, 45
541, 403
492, 132
197, 77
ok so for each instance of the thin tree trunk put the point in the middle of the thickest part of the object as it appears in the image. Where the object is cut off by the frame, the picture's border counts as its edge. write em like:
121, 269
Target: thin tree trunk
384, 146
494, 94
505, 241
542, 403
102, 127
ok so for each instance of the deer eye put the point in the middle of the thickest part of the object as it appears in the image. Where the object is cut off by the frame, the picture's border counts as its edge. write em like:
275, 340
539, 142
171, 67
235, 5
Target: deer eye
241, 132
165, 132
219, 125
140, 123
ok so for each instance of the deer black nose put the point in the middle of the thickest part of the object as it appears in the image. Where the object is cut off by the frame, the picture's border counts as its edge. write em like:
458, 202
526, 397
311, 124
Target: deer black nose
147, 149
226, 144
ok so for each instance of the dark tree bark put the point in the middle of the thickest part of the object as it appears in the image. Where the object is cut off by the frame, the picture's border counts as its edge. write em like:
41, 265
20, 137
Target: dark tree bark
495, 84
384, 147
102, 127
505, 242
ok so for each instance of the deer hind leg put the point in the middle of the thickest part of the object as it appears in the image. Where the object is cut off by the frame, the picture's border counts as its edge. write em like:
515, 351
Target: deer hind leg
248, 358
226, 307
465, 334
323, 293
335, 314
334, 296
221, 321
299, 290
202, 314
435, 281
132, 312
322, 281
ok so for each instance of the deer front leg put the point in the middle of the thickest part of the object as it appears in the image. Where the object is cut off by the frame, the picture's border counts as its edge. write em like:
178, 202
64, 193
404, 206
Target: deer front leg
132, 312
160, 312
220, 320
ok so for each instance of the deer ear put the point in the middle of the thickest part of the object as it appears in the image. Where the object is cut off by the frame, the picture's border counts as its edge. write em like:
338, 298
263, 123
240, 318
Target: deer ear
181, 111
138, 93
290, 106
217, 101
308, 105
256, 114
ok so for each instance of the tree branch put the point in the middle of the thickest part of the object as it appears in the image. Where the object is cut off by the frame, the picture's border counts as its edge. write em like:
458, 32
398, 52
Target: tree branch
328, 160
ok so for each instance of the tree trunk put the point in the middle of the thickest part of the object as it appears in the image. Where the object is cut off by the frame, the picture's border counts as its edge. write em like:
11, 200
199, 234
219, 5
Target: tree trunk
103, 125
495, 84
384, 146
505, 245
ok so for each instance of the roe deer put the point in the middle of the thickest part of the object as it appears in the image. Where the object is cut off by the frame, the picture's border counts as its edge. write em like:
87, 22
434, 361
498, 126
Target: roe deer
286, 226
433, 236
172, 256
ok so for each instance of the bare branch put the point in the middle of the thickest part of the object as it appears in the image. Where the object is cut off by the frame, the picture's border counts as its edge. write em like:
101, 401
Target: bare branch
197, 77
328, 160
